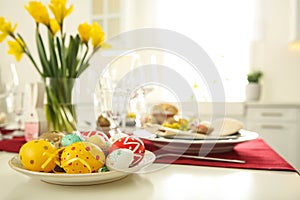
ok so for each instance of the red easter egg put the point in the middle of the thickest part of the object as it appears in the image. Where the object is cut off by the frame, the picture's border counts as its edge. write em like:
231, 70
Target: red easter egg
132, 143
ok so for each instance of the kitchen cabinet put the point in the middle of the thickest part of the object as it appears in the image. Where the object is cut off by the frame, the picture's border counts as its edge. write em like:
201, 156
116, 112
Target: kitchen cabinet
278, 125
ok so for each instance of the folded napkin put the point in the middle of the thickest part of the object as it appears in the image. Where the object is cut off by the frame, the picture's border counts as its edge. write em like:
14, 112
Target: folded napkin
12, 145
256, 153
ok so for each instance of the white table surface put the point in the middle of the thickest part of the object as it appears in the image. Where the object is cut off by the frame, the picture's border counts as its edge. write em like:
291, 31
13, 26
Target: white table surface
169, 182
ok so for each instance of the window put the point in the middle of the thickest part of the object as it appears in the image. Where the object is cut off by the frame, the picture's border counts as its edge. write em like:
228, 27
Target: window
107, 14
224, 29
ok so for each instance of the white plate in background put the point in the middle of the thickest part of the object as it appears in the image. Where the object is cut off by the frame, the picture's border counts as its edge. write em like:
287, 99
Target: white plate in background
195, 146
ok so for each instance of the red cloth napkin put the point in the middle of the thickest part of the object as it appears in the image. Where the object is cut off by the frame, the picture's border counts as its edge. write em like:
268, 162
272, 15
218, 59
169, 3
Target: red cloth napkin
12, 145
256, 153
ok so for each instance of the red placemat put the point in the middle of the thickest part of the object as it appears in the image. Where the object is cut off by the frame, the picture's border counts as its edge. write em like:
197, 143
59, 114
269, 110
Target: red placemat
256, 153
12, 145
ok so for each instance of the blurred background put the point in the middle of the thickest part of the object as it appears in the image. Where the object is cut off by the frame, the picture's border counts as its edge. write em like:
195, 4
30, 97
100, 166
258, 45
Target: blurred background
237, 35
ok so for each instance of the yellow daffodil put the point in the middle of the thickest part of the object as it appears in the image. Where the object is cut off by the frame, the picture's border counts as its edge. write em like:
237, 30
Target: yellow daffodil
16, 48
39, 12
84, 31
54, 26
6, 29
61, 56
2, 22
60, 10
97, 35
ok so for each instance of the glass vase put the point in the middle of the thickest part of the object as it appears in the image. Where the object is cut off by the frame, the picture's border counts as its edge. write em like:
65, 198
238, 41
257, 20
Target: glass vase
60, 107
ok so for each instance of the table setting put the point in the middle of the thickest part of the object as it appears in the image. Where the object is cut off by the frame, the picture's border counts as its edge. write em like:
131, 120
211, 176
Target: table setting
167, 138
127, 148
247, 151
169, 151
252, 164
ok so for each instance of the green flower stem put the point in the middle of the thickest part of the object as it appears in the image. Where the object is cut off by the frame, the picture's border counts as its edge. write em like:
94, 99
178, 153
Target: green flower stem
60, 110
34, 64
27, 52
83, 66
52, 52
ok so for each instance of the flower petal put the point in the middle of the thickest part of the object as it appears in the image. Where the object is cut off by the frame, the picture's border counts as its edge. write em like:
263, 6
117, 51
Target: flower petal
39, 12
54, 26
97, 35
16, 49
84, 31
6, 29
60, 10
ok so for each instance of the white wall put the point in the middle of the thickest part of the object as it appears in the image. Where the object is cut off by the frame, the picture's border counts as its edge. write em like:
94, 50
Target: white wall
270, 53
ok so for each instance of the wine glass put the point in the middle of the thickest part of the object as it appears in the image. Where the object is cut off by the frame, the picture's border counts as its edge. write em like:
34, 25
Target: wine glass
119, 106
9, 81
103, 101
18, 106
110, 103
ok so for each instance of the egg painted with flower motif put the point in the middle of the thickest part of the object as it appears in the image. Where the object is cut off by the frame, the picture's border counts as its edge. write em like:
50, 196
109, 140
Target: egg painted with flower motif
119, 160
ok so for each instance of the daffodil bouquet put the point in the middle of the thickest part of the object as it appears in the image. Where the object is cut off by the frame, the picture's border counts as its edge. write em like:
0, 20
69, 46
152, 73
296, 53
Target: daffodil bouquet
61, 58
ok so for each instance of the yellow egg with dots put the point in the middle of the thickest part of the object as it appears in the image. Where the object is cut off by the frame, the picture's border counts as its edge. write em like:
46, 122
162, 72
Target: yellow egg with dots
38, 155
82, 157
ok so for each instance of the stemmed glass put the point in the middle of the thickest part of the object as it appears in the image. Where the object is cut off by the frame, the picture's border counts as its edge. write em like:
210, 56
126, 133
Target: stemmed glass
9, 80
119, 107
18, 106
111, 103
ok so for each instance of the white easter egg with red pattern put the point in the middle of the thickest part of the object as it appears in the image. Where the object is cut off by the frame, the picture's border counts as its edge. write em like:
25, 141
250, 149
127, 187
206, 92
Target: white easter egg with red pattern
132, 143
87, 134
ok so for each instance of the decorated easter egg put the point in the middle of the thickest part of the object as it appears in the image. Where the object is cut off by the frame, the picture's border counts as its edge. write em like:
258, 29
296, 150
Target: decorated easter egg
53, 137
38, 155
120, 159
117, 136
87, 134
132, 143
82, 157
100, 141
70, 139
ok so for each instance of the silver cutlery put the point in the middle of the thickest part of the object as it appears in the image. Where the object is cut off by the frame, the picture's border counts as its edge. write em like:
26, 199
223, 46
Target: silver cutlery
201, 158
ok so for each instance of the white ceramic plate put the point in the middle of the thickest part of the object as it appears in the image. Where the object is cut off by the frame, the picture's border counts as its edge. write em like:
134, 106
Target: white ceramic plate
195, 146
81, 179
